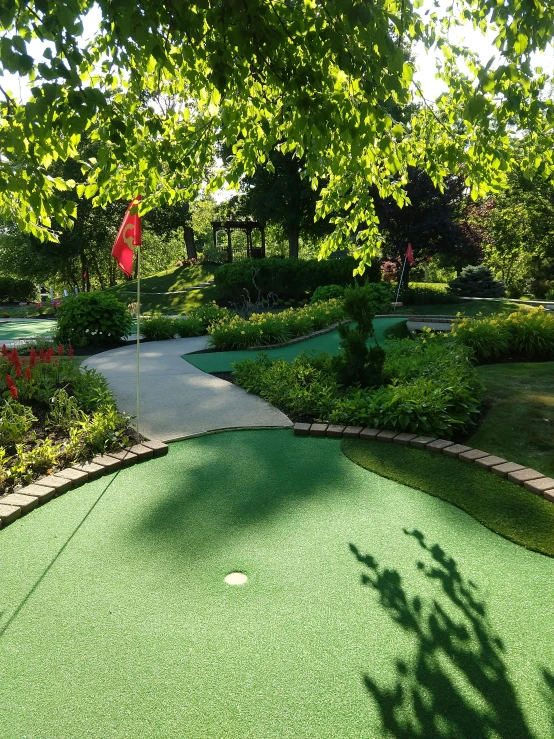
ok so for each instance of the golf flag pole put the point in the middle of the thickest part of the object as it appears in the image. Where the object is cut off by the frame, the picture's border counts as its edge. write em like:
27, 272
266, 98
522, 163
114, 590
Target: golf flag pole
408, 258
129, 236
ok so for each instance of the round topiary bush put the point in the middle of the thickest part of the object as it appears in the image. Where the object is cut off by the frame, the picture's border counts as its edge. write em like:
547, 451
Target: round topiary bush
93, 318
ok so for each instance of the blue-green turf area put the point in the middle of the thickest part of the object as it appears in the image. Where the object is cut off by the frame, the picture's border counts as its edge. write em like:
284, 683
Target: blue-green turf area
372, 610
224, 361
12, 330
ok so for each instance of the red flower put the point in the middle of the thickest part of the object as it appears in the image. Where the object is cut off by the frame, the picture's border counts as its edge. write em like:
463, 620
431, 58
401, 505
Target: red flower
32, 357
41, 354
13, 392
13, 357
28, 374
4, 350
60, 350
9, 380
18, 370
70, 351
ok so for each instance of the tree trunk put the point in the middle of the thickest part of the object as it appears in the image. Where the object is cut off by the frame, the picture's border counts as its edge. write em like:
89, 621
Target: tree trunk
294, 235
189, 242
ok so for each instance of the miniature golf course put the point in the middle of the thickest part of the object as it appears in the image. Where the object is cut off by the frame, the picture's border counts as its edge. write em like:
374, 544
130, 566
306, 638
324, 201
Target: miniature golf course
329, 342
13, 330
372, 610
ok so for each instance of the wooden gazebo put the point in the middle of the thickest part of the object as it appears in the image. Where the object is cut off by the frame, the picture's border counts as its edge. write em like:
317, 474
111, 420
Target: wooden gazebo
252, 252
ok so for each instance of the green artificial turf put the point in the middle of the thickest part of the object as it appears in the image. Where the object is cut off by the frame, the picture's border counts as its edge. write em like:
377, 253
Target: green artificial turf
372, 610
465, 307
12, 330
520, 423
502, 506
224, 361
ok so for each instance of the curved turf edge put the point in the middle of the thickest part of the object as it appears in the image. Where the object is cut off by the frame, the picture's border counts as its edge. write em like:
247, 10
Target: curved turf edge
500, 505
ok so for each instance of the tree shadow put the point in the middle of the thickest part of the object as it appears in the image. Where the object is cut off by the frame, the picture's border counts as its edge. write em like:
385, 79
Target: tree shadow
457, 685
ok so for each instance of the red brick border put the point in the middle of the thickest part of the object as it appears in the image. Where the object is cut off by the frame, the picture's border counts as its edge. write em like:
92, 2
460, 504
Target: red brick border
534, 481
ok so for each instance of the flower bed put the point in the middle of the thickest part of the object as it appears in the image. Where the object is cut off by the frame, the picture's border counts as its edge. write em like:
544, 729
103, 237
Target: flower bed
263, 329
52, 414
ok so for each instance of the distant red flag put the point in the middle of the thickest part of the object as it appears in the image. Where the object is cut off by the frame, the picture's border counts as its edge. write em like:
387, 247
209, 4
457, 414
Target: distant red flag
130, 235
410, 254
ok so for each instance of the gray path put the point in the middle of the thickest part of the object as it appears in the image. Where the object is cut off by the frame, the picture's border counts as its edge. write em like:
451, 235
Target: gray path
177, 399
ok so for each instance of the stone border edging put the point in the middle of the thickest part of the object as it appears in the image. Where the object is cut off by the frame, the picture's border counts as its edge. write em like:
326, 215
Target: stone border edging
15, 505
532, 480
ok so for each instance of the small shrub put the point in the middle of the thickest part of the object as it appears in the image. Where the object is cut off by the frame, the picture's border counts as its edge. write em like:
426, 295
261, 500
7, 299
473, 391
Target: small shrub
92, 391
478, 282
15, 422
64, 411
186, 327
208, 314
42, 457
159, 328
326, 292
550, 294
92, 318
489, 339
104, 430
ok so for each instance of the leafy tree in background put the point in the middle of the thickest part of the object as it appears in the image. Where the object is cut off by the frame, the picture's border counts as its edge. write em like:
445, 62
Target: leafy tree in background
316, 77
429, 222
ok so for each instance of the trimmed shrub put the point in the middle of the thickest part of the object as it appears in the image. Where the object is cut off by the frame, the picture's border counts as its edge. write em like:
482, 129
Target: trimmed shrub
478, 282
428, 294
327, 292
288, 279
208, 314
159, 328
92, 318
186, 327
17, 291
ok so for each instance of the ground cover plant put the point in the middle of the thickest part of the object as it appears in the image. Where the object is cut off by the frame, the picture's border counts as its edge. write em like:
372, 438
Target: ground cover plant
523, 334
235, 332
51, 414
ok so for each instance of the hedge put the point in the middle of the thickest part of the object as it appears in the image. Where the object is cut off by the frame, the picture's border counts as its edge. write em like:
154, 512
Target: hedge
17, 291
287, 279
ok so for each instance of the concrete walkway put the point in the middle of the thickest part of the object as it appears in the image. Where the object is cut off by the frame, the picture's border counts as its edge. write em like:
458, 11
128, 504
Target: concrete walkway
177, 399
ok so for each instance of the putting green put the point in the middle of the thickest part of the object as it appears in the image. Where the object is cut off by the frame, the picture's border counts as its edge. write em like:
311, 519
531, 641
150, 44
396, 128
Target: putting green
13, 330
372, 610
224, 361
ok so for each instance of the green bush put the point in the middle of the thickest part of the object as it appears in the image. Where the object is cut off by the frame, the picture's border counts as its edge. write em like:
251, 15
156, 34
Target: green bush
186, 327
524, 334
356, 363
478, 282
286, 278
326, 292
91, 390
159, 328
17, 291
93, 318
263, 329
428, 294
208, 314
15, 421
432, 388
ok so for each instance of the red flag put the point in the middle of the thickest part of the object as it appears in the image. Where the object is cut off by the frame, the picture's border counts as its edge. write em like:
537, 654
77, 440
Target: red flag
130, 235
410, 254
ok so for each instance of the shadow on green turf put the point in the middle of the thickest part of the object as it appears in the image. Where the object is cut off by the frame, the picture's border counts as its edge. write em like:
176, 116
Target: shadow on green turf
457, 683
500, 505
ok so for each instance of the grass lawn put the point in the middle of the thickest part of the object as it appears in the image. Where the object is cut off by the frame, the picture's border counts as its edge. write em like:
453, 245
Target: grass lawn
170, 280
465, 307
224, 361
520, 424
372, 610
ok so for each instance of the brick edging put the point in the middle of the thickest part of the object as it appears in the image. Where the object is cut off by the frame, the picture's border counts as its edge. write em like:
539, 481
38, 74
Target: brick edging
15, 505
532, 480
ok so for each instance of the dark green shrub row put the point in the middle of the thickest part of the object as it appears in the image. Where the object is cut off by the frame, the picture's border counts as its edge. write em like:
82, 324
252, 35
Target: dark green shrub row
525, 334
160, 328
286, 278
431, 388
17, 291
428, 294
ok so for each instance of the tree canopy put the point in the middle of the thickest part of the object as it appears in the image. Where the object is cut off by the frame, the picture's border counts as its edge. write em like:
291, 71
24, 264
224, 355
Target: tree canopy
161, 84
